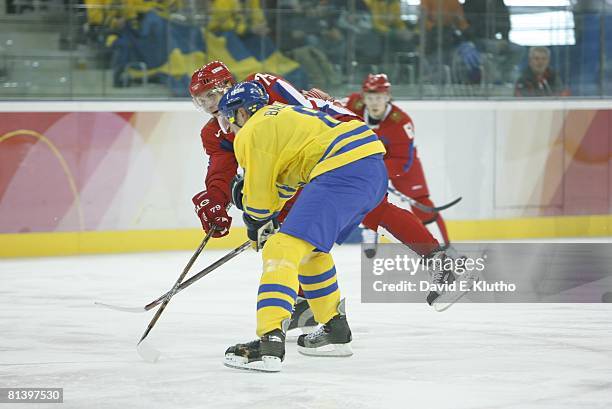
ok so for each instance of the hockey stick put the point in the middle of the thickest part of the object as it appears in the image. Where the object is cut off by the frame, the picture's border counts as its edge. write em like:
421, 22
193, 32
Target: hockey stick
421, 206
147, 352
183, 285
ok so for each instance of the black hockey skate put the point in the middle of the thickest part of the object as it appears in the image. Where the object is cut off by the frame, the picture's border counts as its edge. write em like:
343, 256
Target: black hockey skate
265, 354
302, 320
443, 298
332, 339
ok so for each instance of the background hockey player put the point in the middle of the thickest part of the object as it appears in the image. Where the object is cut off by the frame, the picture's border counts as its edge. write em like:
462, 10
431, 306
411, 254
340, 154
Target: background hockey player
340, 169
395, 129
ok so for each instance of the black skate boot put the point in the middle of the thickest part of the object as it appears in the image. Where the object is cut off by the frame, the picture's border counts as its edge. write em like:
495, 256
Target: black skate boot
302, 320
439, 276
332, 339
443, 277
265, 354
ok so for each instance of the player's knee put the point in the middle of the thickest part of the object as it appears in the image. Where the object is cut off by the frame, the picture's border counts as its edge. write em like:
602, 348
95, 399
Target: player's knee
316, 261
374, 218
283, 248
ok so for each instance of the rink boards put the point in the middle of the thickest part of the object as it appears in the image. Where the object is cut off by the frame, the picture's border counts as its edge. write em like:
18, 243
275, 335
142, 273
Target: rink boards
96, 177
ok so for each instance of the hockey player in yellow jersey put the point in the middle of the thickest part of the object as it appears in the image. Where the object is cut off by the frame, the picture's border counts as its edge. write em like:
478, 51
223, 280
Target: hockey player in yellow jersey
340, 169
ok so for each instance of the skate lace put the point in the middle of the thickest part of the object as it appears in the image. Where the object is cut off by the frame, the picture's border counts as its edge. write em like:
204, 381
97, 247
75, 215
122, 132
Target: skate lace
318, 332
437, 277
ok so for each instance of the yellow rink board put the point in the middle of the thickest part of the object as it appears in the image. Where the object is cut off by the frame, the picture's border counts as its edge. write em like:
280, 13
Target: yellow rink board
95, 242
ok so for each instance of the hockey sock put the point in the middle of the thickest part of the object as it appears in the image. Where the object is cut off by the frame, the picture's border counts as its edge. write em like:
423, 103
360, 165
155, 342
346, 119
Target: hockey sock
278, 285
318, 279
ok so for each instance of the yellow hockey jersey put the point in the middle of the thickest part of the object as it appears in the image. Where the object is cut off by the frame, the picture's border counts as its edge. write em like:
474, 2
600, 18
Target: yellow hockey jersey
283, 147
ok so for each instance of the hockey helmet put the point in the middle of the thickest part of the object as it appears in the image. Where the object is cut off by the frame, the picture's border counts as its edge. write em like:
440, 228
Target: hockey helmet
376, 83
248, 95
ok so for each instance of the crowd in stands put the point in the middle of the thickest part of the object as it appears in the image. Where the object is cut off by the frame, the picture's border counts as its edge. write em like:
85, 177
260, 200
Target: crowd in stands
315, 41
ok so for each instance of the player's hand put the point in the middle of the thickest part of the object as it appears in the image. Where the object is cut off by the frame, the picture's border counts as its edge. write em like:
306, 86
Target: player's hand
260, 230
211, 211
236, 187
317, 93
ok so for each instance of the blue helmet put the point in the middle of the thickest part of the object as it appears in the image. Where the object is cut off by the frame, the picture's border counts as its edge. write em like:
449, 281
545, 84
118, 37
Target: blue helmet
249, 95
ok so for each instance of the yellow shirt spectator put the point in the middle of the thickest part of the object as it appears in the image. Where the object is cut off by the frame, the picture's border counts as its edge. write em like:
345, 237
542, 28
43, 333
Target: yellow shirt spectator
386, 15
235, 15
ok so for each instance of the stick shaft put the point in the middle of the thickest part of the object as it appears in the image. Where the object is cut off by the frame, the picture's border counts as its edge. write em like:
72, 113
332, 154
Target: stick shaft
421, 206
201, 274
170, 293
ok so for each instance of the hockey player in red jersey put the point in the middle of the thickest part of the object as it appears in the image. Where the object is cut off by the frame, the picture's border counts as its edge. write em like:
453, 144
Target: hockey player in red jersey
395, 129
208, 84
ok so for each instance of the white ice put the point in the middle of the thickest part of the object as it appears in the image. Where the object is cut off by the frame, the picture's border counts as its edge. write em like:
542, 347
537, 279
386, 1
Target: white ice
477, 356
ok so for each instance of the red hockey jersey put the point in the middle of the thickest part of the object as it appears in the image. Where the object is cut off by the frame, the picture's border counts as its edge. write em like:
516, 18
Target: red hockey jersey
395, 130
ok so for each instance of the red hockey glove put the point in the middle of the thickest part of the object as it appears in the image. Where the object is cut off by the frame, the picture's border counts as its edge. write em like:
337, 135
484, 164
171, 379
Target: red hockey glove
211, 211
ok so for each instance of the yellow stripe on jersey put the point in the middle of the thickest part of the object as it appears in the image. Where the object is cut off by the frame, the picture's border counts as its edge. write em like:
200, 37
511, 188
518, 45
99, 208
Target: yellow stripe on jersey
283, 147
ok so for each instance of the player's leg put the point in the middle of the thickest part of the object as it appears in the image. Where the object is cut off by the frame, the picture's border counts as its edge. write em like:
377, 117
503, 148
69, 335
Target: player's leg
408, 229
334, 204
414, 185
403, 225
431, 217
282, 255
302, 319
317, 276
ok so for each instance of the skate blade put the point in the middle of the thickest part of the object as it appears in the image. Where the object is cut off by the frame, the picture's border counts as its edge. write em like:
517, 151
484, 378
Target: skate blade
267, 364
447, 300
294, 334
334, 350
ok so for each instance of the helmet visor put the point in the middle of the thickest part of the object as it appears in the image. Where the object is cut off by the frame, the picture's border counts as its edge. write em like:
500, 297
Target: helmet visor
208, 100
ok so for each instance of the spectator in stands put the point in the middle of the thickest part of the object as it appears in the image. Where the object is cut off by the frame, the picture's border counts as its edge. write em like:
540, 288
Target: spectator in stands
488, 19
583, 9
242, 17
443, 17
489, 22
538, 79
306, 31
389, 31
356, 25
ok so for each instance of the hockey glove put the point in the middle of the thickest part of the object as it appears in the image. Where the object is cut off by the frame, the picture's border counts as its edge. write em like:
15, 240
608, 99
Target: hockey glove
211, 211
260, 230
236, 189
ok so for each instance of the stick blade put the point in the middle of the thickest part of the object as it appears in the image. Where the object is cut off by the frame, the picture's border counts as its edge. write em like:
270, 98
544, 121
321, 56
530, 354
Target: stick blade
120, 308
147, 352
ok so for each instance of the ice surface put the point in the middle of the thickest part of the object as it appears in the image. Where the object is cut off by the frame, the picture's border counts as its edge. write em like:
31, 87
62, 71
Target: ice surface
478, 356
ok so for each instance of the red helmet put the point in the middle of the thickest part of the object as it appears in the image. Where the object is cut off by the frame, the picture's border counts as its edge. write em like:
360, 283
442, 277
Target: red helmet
209, 76
376, 83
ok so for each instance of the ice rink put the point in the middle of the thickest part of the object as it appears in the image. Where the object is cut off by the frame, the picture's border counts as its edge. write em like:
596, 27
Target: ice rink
477, 356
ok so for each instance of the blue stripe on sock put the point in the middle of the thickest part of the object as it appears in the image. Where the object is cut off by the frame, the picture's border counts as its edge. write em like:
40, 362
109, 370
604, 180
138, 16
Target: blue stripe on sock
321, 292
275, 302
269, 288
318, 278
